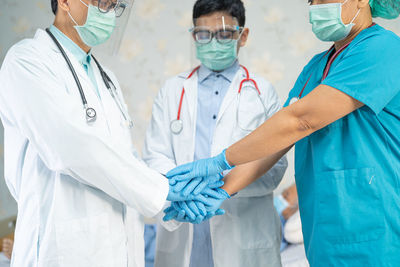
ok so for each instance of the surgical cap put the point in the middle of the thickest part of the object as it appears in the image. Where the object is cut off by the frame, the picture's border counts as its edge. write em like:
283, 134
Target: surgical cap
387, 9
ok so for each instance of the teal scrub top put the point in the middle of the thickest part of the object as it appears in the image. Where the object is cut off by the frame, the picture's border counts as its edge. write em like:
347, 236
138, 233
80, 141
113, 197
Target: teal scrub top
348, 173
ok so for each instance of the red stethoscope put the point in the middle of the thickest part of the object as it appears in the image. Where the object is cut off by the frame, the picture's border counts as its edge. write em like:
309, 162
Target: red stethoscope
327, 68
177, 124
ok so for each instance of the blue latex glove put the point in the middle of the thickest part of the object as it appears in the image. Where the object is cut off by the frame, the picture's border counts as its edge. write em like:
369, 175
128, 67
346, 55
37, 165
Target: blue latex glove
197, 185
201, 168
177, 196
181, 212
193, 211
212, 199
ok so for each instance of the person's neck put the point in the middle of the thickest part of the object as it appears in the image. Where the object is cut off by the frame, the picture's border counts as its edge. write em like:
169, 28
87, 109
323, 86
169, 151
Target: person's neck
356, 30
71, 33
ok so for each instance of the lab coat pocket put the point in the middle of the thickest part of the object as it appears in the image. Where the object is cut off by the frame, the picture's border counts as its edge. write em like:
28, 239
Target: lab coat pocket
349, 206
84, 242
250, 111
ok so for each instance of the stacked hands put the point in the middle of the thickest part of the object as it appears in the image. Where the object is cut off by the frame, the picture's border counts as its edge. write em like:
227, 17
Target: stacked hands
195, 190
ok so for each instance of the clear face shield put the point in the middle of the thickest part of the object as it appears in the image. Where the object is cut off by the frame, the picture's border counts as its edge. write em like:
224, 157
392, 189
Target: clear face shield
122, 9
215, 41
224, 29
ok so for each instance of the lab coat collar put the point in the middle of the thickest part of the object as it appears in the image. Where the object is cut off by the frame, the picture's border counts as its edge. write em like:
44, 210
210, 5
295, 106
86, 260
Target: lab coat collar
73, 48
228, 73
42, 37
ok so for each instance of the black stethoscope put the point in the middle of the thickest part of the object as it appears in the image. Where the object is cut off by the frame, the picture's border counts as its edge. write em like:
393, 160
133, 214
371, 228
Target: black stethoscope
91, 114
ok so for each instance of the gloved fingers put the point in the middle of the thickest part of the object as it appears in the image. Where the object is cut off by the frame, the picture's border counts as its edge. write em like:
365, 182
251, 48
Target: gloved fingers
217, 184
200, 187
183, 177
220, 212
170, 215
216, 193
180, 185
201, 208
199, 219
169, 209
193, 184
205, 200
209, 215
181, 216
193, 207
185, 168
188, 212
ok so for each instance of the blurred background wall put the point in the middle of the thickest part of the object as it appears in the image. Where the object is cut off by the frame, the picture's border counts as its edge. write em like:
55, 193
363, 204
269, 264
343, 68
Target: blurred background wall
157, 45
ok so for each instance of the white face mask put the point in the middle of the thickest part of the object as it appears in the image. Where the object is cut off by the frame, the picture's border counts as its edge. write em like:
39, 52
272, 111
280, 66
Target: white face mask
327, 23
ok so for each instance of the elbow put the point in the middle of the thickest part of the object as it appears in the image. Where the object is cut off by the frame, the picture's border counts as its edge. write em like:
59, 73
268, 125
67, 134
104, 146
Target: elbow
304, 125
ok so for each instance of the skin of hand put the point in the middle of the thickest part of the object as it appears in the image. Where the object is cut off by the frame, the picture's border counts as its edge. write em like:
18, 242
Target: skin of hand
8, 247
290, 194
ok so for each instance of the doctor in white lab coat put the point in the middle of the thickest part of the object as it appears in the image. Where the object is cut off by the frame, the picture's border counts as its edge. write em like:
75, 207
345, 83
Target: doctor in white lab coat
80, 189
249, 233
251, 211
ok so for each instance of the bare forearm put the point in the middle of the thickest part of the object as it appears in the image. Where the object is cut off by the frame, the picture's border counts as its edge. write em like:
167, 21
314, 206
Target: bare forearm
279, 133
244, 175
318, 109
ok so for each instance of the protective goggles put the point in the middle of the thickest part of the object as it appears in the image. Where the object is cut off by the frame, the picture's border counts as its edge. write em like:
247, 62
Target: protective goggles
106, 6
224, 29
224, 35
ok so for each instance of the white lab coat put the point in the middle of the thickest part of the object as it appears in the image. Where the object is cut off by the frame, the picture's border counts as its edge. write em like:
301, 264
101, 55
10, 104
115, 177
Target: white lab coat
249, 233
80, 190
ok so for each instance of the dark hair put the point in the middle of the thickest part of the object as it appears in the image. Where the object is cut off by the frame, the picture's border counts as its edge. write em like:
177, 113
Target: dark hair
54, 6
233, 7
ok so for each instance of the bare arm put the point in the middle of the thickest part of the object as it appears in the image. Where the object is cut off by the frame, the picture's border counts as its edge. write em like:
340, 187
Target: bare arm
323, 106
245, 174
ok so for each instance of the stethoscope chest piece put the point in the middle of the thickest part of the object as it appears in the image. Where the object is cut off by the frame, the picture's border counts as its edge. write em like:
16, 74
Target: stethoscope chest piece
176, 126
91, 115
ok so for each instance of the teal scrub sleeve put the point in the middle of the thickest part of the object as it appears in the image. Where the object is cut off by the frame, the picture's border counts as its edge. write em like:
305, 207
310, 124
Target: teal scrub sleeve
303, 77
369, 71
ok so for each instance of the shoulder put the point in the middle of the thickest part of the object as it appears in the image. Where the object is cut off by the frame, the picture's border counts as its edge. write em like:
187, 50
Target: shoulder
266, 88
264, 85
30, 51
378, 41
175, 83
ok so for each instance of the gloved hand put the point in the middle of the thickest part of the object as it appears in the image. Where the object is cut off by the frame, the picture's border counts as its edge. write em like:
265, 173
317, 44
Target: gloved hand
197, 185
176, 212
212, 199
194, 211
201, 168
177, 196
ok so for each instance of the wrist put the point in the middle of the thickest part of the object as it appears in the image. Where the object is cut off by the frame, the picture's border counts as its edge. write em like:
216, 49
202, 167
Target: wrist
226, 164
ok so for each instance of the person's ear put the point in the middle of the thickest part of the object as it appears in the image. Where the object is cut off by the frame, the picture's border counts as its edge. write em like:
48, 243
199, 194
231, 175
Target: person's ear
363, 3
244, 37
63, 5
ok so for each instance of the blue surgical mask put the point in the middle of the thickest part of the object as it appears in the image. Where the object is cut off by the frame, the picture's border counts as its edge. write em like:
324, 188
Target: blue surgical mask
280, 204
217, 56
327, 23
98, 27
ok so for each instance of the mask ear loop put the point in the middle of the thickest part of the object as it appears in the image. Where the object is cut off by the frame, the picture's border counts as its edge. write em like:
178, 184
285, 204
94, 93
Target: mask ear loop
73, 20
355, 17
